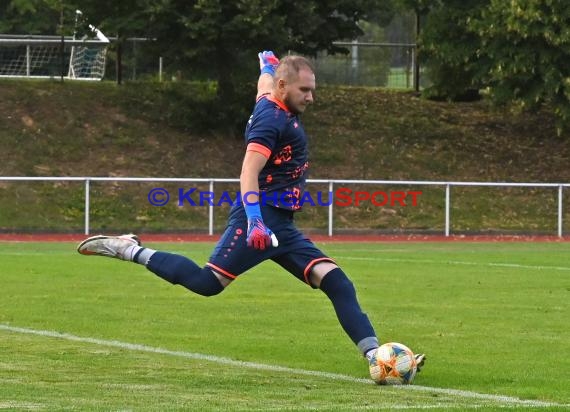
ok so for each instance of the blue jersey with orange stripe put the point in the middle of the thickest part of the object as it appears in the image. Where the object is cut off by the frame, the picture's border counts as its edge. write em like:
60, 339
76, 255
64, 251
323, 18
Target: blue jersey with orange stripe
278, 134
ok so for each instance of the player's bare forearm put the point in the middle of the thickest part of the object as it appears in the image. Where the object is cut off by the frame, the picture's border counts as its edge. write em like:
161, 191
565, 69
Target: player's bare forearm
249, 188
253, 162
264, 84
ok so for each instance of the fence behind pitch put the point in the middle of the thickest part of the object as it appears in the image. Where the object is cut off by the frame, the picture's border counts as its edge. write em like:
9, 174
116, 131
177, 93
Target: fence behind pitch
88, 204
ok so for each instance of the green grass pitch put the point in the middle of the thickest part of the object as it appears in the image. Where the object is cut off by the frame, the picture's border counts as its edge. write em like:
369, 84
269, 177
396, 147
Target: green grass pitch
89, 333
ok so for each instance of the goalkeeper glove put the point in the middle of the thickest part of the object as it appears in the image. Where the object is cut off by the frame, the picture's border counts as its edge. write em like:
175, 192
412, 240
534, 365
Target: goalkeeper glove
259, 236
267, 62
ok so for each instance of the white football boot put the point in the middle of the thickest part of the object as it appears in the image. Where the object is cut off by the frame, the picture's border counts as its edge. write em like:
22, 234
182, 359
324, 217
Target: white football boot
420, 360
110, 246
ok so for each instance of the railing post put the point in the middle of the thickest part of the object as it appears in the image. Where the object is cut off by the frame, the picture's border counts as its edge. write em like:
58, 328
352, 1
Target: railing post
560, 210
211, 212
87, 200
28, 60
331, 208
447, 208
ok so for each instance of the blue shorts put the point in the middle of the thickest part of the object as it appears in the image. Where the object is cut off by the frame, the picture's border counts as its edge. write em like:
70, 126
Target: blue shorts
296, 253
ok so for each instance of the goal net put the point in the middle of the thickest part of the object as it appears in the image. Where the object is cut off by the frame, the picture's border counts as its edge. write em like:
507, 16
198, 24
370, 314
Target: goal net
88, 62
50, 57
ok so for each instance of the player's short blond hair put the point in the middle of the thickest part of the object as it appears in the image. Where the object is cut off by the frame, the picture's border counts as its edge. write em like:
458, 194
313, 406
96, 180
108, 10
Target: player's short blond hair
289, 67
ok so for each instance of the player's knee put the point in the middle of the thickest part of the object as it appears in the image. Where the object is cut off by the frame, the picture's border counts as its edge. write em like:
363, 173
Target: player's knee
210, 284
336, 282
319, 271
347, 287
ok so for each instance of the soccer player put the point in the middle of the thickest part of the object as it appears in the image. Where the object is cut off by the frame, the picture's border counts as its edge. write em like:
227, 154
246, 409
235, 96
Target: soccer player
261, 227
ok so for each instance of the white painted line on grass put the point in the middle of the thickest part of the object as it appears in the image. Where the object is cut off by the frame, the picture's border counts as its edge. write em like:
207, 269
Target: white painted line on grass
505, 400
456, 262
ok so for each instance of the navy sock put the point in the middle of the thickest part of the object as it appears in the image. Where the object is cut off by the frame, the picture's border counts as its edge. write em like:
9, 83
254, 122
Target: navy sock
180, 270
355, 323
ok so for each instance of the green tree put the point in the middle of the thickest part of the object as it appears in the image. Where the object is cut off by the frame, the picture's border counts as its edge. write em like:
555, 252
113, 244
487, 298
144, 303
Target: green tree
219, 39
516, 50
118, 18
525, 45
30, 16
45, 16
449, 50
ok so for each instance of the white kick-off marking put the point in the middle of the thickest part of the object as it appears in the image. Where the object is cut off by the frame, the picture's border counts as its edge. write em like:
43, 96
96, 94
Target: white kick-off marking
504, 400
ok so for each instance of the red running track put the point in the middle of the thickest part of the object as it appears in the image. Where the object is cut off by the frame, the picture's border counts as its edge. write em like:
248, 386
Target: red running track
168, 237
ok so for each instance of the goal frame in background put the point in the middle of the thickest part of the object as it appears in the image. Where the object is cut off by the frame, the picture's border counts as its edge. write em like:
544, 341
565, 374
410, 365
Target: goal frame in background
34, 56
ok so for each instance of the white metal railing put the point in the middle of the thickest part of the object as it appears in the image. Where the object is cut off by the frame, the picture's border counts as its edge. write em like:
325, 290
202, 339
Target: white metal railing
331, 182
